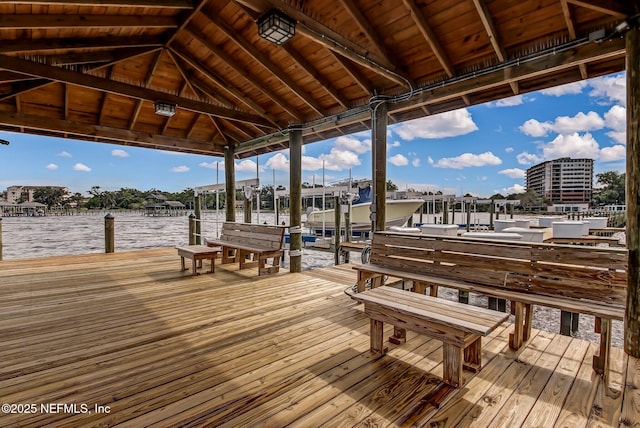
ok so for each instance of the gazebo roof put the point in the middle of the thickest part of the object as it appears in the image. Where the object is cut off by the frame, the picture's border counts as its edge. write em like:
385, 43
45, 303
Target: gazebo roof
94, 70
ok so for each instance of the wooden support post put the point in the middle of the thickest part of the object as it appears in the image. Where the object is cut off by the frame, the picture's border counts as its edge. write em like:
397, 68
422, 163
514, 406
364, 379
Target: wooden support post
347, 231
247, 208
492, 210
379, 158
192, 229
445, 212
109, 234
198, 213
632, 311
336, 229
295, 216
453, 356
601, 361
229, 184
468, 216
0, 239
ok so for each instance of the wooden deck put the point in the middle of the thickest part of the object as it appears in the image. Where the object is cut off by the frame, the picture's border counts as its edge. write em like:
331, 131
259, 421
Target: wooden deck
155, 346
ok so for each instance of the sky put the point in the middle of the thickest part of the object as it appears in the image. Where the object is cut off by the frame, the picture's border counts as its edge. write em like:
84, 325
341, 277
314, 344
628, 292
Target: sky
481, 150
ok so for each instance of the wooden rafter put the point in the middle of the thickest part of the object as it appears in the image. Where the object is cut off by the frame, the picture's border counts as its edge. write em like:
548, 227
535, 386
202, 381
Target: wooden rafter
370, 32
198, 88
566, 11
32, 22
302, 62
354, 73
96, 57
101, 43
166, 4
147, 80
27, 85
233, 64
330, 39
619, 9
102, 132
264, 60
430, 36
494, 38
222, 86
102, 84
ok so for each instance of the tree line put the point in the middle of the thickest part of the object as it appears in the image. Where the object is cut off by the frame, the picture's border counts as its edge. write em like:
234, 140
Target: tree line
611, 190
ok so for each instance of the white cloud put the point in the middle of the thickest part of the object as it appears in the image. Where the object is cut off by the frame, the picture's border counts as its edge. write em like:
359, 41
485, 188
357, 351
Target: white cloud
569, 88
509, 150
513, 172
181, 168
516, 188
573, 146
613, 153
618, 137
394, 144
52, 166
564, 125
416, 162
64, 154
443, 125
278, 162
219, 165
119, 153
616, 118
352, 144
525, 158
247, 165
613, 89
399, 160
81, 167
466, 160
510, 102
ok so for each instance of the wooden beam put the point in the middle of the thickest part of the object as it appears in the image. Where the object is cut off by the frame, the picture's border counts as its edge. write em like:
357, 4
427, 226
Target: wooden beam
568, 19
632, 310
263, 59
295, 196
494, 38
102, 84
615, 8
164, 4
97, 57
121, 55
150, 72
44, 45
108, 134
430, 36
39, 22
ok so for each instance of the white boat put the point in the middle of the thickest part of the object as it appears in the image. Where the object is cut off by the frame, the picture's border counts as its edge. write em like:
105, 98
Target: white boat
397, 213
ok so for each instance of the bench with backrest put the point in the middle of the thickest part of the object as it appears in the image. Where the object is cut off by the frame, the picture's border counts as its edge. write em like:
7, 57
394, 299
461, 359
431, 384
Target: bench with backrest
587, 280
251, 245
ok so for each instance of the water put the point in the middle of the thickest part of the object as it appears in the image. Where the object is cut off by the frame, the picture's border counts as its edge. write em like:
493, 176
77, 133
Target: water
24, 237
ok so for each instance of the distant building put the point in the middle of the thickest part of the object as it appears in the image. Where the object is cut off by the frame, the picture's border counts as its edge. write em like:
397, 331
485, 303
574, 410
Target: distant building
15, 194
562, 181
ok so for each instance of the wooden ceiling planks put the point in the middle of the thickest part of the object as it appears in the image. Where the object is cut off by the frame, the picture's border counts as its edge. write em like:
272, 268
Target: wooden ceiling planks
233, 87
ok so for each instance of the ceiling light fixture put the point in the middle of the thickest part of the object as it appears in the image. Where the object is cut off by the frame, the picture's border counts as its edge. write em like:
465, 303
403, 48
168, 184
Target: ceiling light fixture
276, 27
164, 108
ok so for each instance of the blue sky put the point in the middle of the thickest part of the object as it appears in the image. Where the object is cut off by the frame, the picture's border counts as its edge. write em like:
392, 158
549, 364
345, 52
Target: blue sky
481, 150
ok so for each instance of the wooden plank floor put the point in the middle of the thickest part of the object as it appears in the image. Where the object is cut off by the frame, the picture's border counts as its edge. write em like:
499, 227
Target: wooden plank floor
154, 346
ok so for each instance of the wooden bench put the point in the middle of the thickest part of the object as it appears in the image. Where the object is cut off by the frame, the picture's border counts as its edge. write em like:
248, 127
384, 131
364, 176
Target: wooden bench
460, 327
251, 245
578, 279
197, 253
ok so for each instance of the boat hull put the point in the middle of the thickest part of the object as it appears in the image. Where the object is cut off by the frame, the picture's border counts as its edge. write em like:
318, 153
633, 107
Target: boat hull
397, 213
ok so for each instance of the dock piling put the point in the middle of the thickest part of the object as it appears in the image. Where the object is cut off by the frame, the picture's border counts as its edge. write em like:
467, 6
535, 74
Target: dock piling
109, 233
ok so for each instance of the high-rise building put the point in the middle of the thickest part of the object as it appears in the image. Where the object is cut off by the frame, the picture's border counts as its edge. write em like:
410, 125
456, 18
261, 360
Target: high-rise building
562, 181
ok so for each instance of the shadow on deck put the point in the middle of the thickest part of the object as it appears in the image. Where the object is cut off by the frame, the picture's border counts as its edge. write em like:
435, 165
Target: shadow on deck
150, 345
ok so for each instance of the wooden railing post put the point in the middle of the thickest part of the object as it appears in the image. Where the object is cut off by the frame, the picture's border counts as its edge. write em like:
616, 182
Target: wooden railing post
109, 233
192, 229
